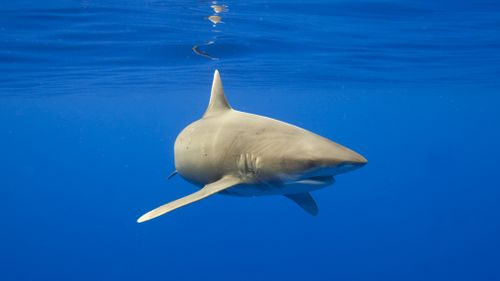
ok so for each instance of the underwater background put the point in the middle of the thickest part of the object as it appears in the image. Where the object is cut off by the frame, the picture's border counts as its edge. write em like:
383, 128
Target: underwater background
94, 93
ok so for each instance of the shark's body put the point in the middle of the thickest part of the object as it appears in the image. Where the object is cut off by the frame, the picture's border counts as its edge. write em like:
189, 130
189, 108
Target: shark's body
237, 153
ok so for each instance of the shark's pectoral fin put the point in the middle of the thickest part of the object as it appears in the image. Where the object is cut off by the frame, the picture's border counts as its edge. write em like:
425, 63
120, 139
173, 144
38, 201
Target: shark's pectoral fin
209, 189
305, 201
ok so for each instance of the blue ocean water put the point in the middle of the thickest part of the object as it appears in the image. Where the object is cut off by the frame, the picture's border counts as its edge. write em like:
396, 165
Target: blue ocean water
93, 94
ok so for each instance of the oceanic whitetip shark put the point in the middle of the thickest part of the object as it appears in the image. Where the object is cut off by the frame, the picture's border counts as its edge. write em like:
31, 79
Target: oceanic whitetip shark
237, 153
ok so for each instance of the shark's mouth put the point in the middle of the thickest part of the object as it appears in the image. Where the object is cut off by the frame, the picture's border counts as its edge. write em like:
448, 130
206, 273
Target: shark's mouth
317, 180
322, 178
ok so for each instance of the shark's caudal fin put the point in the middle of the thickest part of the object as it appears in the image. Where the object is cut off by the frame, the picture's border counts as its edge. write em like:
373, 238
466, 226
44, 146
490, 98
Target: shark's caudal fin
209, 189
305, 201
218, 102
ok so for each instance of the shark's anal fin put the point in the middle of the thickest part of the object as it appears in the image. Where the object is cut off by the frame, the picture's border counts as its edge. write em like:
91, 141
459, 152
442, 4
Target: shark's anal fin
209, 189
305, 201
218, 102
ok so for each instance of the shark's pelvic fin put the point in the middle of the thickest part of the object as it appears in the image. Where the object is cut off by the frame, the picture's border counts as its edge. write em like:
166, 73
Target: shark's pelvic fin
305, 201
218, 102
209, 189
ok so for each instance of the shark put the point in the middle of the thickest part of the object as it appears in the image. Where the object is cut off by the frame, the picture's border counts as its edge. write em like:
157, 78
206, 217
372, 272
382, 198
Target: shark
241, 154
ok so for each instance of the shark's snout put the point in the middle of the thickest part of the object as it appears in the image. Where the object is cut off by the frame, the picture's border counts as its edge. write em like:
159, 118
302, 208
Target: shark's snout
355, 159
339, 159
349, 162
336, 154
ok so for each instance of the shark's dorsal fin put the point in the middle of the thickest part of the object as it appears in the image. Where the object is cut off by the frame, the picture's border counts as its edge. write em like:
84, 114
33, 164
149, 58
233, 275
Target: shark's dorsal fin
218, 102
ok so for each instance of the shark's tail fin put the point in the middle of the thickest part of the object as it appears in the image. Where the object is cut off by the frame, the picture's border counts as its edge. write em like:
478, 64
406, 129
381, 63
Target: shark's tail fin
218, 102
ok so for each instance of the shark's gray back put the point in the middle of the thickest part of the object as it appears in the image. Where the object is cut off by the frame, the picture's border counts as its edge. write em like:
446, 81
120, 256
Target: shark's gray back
251, 146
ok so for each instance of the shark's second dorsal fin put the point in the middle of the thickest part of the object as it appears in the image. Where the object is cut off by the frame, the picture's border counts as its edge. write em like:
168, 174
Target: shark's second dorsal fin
218, 102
